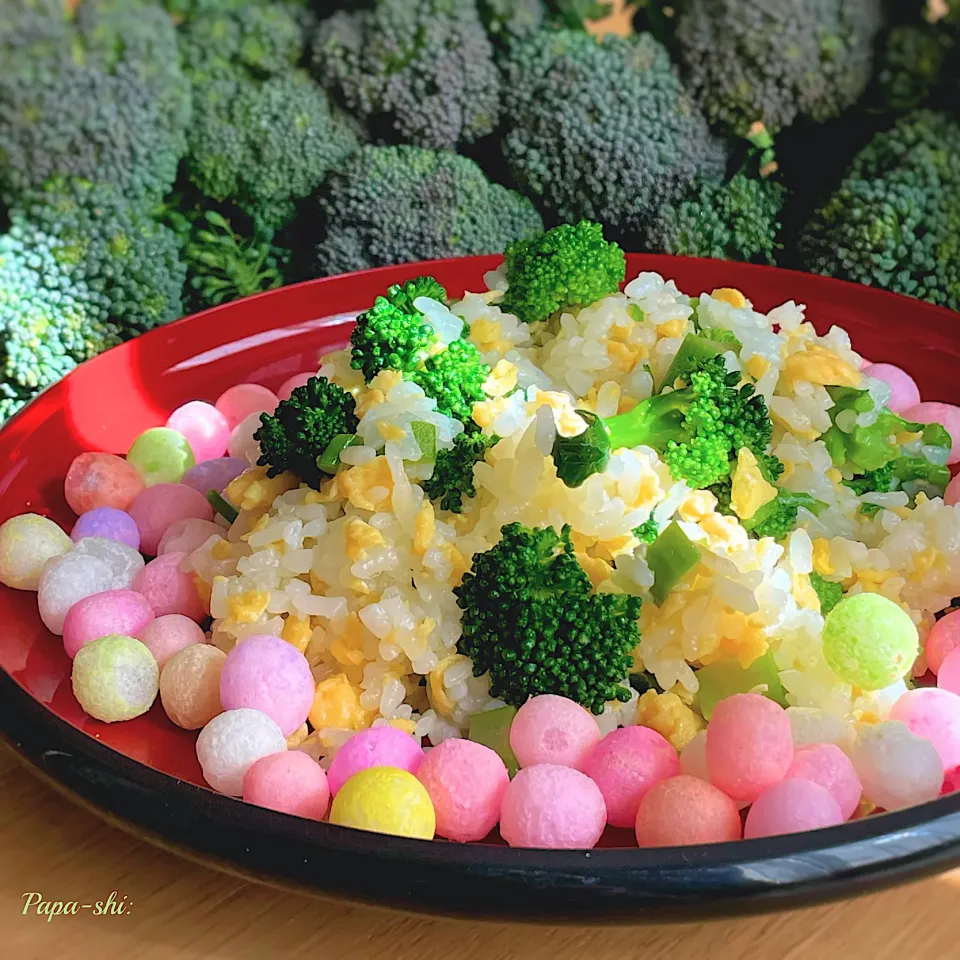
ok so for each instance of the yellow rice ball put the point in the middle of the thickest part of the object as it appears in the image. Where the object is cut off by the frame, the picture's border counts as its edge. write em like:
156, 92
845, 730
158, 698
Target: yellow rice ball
385, 800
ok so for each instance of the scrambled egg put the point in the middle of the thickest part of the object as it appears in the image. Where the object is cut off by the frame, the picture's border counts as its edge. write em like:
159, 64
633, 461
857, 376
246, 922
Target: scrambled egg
435, 686
336, 703
502, 379
359, 537
297, 631
359, 481
821, 366
666, 713
750, 490
730, 295
253, 489
247, 607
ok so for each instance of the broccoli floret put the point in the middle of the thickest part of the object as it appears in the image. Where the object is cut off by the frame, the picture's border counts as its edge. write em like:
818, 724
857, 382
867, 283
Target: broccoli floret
508, 20
454, 378
575, 13
894, 222
698, 430
391, 205
404, 295
418, 71
647, 532
531, 619
776, 60
828, 593
452, 479
601, 129
906, 472
569, 266
912, 65
736, 220
778, 519
301, 428
102, 98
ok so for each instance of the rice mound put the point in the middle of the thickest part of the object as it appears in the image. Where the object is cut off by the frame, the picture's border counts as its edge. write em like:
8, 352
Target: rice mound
360, 575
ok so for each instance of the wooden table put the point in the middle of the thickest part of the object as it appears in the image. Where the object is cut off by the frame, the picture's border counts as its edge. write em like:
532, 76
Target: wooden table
177, 909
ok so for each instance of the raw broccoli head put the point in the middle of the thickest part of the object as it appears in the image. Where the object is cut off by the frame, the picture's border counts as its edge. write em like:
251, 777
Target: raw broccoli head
532, 621
601, 129
417, 71
912, 65
508, 20
301, 428
698, 429
776, 60
389, 205
452, 479
454, 378
569, 266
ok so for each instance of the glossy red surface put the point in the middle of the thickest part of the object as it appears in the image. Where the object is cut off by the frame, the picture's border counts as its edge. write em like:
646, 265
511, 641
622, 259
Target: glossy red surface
109, 401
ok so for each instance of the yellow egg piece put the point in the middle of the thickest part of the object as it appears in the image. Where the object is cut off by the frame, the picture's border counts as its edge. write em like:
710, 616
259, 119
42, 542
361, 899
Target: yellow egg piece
336, 703
730, 295
385, 800
247, 607
750, 491
361, 481
822, 366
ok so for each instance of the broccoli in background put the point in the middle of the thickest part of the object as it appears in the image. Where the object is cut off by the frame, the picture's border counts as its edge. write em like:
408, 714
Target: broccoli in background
601, 129
509, 20
532, 620
775, 60
912, 66
416, 71
390, 205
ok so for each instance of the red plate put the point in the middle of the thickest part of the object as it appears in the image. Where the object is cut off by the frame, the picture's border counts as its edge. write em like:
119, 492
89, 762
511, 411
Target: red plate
109, 401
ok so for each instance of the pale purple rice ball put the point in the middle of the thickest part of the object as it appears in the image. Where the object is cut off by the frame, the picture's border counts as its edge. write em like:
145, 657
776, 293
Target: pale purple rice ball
109, 524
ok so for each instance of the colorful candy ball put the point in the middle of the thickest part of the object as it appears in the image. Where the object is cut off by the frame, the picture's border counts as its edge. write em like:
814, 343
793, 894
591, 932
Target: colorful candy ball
693, 758
869, 641
190, 685
166, 636
124, 562
271, 675
827, 765
376, 747
65, 581
949, 676
791, 806
466, 782
627, 763
934, 715
749, 745
101, 614
161, 455
686, 810
101, 480
214, 474
297, 380
385, 800
896, 767
243, 444
161, 506
107, 523
553, 730
944, 636
904, 392
951, 496
812, 726
552, 808
169, 589
205, 428
27, 542
231, 743
290, 782
239, 402
188, 535
115, 678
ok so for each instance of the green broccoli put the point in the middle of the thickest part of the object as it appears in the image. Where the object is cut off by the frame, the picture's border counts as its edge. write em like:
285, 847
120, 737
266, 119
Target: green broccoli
698, 430
532, 621
454, 378
912, 66
452, 478
776, 60
569, 266
417, 71
601, 129
508, 20
296, 435
894, 222
647, 532
778, 519
828, 593
881, 480
575, 13
390, 205
910, 473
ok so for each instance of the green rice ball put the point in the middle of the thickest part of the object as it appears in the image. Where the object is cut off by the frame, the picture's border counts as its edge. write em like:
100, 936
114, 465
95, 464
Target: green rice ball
869, 641
115, 678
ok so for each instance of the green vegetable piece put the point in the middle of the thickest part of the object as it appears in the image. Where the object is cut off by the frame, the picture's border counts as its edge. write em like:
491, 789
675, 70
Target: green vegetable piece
693, 351
828, 592
426, 436
937, 435
329, 460
670, 558
222, 506
492, 729
647, 532
721, 680
722, 336
642, 682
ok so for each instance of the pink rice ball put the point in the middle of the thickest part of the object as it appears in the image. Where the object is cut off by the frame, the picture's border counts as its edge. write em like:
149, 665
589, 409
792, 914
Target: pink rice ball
904, 390
933, 714
375, 747
625, 765
188, 535
108, 523
268, 674
949, 676
214, 474
121, 612
945, 414
205, 428
101, 480
749, 745
290, 782
297, 380
552, 808
791, 806
828, 765
161, 506
168, 589
951, 496
553, 730
168, 635
686, 810
466, 782
944, 637
244, 399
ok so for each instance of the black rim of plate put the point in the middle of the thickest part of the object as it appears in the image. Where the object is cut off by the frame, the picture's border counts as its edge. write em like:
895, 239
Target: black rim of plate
477, 880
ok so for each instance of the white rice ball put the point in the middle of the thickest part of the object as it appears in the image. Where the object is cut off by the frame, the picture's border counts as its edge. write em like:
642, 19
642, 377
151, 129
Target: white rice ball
67, 579
124, 562
232, 742
897, 768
